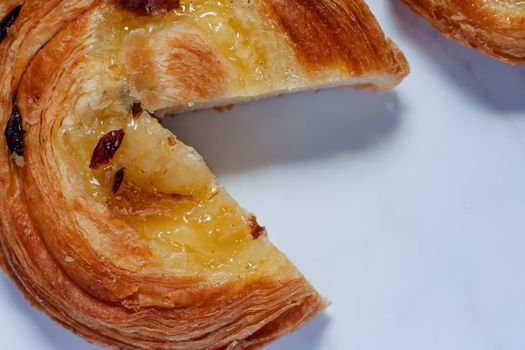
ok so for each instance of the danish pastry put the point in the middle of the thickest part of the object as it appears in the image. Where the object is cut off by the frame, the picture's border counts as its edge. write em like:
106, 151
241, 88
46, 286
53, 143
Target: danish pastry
108, 222
493, 27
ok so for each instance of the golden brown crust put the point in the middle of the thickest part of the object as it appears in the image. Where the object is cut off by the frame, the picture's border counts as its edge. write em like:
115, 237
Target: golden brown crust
182, 51
495, 29
189, 51
321, 39
77, 258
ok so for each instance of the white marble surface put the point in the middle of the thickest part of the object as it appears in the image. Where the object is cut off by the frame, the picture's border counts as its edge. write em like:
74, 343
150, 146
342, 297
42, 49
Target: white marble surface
406, 209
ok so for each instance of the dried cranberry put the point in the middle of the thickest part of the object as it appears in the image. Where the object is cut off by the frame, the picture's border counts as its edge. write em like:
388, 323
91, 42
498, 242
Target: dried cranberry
136, 109
117, 180
8, 21
106, 148
257, 230
14, 132
149, 7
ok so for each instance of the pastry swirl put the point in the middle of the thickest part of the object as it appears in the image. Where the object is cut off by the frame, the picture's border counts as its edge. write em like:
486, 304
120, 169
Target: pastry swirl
112, 226
493, 27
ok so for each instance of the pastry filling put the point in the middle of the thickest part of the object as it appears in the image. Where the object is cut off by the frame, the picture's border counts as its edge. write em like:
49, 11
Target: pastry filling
202, 51
165, 192
142, 174
510, 7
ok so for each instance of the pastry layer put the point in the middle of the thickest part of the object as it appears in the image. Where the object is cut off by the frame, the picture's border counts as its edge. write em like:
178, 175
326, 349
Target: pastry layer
493, 27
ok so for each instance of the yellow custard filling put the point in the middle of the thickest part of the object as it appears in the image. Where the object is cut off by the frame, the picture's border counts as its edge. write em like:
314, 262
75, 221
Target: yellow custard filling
257, 55
232, 36
170, 198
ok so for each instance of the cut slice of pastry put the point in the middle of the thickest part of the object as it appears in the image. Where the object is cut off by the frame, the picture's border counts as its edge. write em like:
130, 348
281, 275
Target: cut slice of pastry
108, 222
493, 27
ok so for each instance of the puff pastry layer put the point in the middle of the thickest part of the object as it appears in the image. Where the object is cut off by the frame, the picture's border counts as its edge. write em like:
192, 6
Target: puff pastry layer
493, 27
111, 225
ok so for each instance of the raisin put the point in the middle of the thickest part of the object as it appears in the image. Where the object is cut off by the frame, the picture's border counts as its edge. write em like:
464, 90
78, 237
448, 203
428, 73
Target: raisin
117, 180
14, 132
149, 7
136, 109
8, 22
257, 230
106, 148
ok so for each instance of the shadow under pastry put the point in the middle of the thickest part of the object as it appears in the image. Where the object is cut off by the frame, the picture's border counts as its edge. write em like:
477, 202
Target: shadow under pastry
298, 128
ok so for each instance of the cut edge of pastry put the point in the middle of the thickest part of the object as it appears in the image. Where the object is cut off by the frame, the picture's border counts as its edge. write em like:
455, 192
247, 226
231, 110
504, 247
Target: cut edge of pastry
377, 83
499, 34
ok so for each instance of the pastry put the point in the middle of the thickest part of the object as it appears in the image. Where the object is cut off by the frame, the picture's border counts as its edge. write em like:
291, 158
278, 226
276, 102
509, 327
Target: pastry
493, 27
109, 223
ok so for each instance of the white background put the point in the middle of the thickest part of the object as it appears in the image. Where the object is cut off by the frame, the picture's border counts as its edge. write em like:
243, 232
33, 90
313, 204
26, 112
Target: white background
406, 209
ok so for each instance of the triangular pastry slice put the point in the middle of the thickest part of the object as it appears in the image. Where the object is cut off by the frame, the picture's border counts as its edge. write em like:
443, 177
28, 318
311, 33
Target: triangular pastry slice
493, 27
112, 225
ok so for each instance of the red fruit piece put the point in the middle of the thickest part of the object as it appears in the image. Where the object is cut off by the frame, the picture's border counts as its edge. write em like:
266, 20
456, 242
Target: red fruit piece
106, 148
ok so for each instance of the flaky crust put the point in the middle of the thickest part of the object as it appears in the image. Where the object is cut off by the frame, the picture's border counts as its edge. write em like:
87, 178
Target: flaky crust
494, 28
75, 259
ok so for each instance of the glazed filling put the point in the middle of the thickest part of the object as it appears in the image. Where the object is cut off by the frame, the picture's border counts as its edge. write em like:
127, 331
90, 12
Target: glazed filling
237, 45
235, 31
169, 197
511, 7
146, 177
